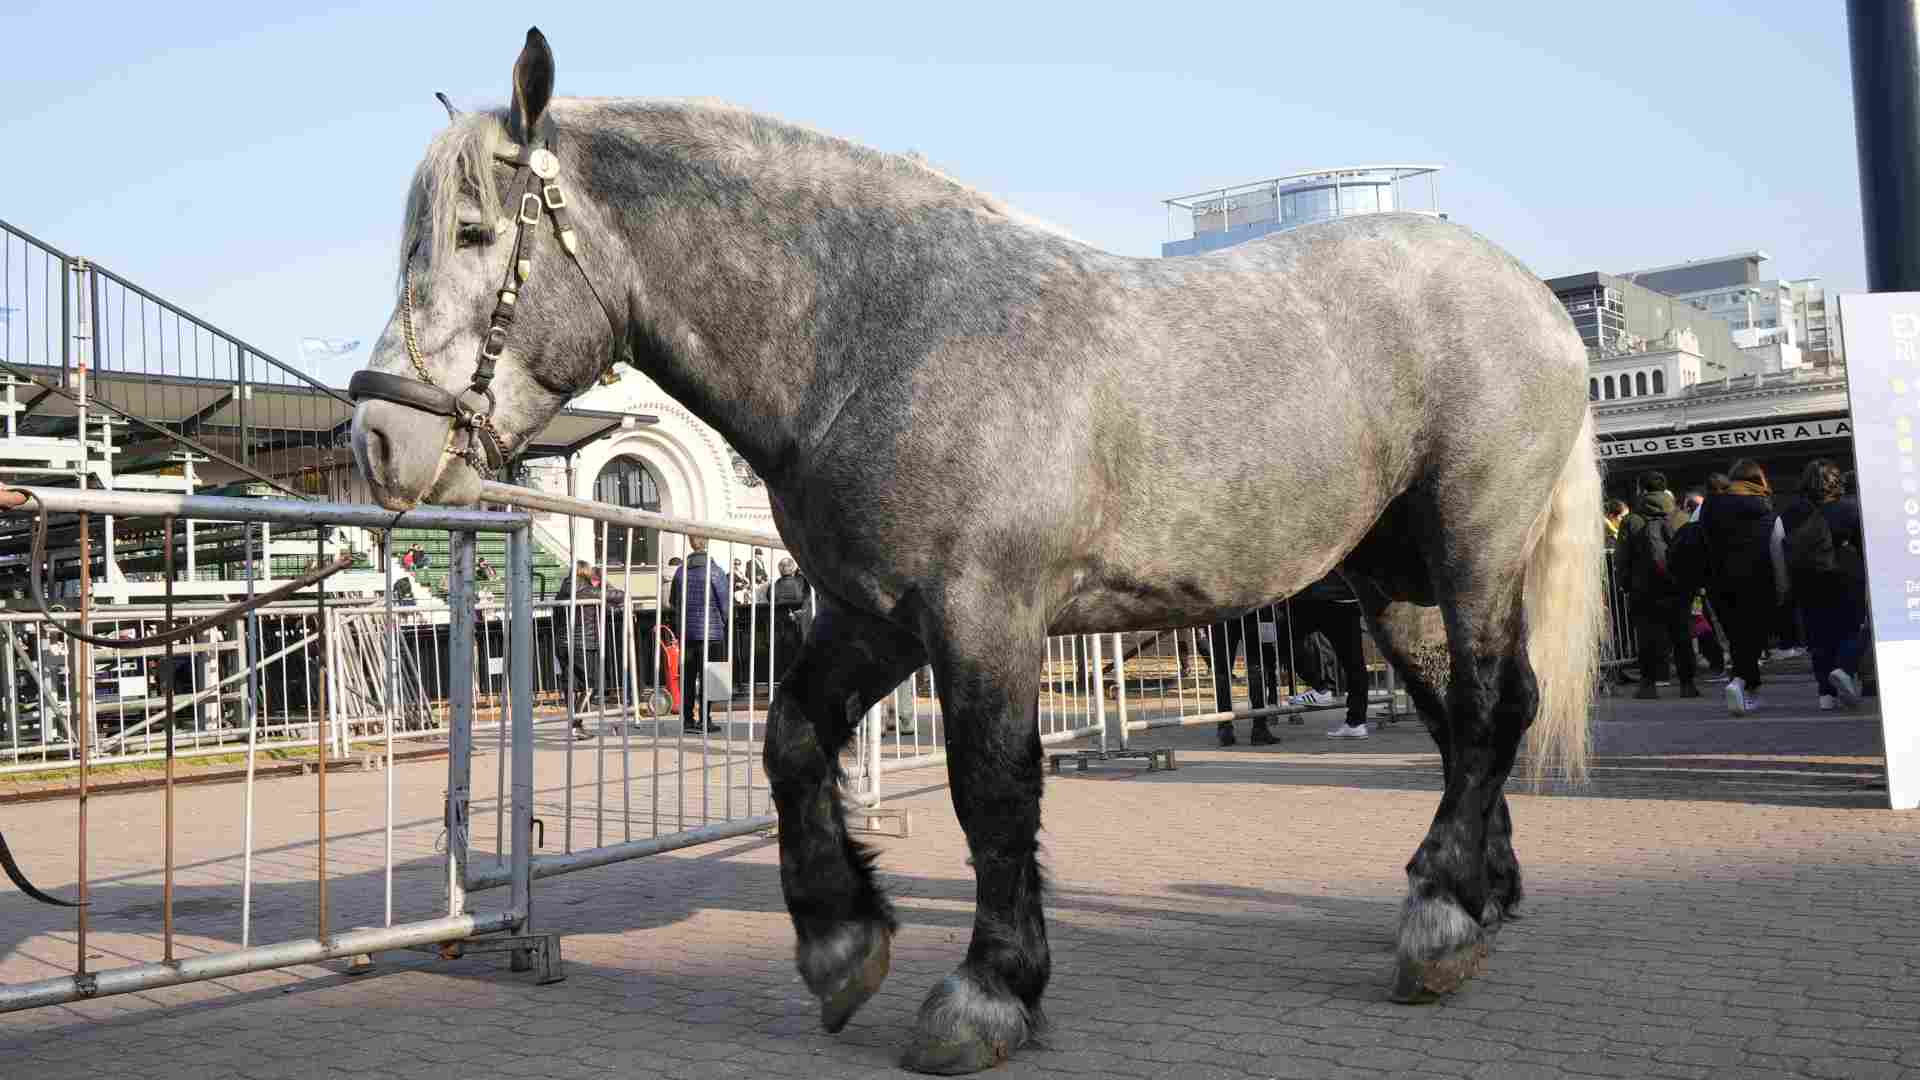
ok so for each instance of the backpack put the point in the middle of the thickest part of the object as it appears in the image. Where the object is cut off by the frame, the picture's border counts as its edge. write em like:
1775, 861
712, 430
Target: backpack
1689, 560
1810, 547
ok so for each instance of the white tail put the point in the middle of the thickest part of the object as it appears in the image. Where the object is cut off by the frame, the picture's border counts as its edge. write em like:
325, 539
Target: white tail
1565, 601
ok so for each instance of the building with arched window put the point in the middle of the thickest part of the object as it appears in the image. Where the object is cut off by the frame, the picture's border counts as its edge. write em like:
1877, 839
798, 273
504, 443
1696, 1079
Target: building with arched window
659, 458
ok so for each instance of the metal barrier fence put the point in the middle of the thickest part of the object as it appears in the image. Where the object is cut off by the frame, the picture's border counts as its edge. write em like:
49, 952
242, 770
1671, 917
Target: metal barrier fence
210, 954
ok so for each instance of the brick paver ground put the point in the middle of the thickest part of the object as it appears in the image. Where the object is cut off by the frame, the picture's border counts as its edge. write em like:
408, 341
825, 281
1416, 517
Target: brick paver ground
1728, 899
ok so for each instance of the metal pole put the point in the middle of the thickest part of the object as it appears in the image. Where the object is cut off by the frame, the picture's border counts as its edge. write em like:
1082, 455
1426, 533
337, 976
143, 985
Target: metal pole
520, 668
1120, 685
1099, 690
80, 657
1885, 37
460, 706
321, 738
166, 888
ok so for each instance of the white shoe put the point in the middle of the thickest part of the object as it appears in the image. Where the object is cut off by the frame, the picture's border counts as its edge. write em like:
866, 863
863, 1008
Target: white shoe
1314, 697
1342, 731
1827, 703
1844, 687
1737, 697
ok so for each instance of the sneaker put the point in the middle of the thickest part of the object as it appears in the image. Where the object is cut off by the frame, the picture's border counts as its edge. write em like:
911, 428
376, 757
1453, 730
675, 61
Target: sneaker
1737, 698
580, 731
1828, 703
1844, 687
1314, 698
1342, 731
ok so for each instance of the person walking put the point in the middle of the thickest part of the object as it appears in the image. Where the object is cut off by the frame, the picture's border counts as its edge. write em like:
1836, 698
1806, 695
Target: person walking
593, 607
1747, 582
702, 594
1819, 538
1656, 602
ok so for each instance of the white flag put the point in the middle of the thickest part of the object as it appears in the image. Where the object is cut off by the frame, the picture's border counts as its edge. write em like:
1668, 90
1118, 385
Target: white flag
330, 346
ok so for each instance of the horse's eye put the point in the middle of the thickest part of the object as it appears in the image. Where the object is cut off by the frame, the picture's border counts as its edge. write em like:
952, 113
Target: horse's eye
472, 234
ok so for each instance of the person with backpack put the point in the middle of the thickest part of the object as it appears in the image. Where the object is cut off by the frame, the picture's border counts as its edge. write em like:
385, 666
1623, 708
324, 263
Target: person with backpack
1657, 601
702, 594
1746, 582
1819, 538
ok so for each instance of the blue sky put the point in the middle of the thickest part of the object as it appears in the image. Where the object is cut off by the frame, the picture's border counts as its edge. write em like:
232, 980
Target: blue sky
250, 165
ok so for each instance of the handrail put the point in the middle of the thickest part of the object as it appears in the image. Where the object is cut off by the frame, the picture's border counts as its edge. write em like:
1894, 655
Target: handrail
493, 491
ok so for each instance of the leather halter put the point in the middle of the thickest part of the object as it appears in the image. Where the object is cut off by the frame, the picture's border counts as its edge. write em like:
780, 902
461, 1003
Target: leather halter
534, 189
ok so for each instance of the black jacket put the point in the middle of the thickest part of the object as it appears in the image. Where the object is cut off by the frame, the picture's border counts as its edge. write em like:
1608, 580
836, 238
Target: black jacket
1640, 558
1843, 521
1740, 534
588, 615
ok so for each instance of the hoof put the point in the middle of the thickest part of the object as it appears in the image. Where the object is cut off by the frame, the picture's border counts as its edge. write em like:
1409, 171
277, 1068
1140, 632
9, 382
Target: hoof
963, 1028
845, 970
1225, 732
1263, 736
1421, 982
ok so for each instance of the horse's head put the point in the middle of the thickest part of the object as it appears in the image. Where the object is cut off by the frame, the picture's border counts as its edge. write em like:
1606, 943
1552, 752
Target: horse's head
499, 320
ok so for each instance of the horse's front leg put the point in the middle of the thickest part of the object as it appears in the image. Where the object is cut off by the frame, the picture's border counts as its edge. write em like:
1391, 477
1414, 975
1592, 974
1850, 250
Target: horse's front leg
842, 920
989, 689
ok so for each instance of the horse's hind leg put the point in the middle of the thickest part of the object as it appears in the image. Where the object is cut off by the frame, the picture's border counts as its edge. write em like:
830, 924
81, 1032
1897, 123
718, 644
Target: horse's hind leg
842, 920
1413, 642
1451, 879
989, 690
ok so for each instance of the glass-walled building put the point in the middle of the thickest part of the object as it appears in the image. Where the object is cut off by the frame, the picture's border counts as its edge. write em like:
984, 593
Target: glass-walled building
1223, 217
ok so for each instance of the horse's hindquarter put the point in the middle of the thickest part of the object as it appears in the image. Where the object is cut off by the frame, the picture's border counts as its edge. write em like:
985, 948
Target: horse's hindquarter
1279, 395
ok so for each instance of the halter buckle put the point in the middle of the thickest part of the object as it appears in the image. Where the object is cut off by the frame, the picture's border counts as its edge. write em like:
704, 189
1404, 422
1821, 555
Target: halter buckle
529, 208
554, 197
495, 344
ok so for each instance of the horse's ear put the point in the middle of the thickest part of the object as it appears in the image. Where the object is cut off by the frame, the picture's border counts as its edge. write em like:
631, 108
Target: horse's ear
532, 85
452, 113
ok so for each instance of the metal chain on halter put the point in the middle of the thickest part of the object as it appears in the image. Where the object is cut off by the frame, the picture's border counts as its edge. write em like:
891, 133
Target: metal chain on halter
473, 455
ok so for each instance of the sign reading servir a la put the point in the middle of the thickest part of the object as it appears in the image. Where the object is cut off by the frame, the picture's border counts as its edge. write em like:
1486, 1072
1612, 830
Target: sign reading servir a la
1881, 332
1725, 439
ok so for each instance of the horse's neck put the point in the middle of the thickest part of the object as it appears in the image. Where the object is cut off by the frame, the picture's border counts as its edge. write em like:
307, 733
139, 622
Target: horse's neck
759, 306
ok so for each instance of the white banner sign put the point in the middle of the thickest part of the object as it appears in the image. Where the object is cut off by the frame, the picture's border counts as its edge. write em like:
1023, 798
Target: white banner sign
1726, 439
1882, 335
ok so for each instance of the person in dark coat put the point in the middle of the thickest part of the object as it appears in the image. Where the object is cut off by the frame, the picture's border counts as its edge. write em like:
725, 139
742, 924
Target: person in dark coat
597, 604
1829, 579
702, 594
792, 611
1658, 605
1747, 583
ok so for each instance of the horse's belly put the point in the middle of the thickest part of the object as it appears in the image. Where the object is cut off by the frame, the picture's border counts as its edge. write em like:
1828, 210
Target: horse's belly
1104, 610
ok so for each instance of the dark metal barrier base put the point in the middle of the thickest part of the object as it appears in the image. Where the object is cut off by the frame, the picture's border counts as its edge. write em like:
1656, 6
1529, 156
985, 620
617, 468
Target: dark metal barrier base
1157, 758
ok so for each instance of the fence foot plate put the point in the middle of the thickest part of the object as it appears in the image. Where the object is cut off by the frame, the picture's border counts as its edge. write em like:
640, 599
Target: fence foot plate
1157, 758
874, 816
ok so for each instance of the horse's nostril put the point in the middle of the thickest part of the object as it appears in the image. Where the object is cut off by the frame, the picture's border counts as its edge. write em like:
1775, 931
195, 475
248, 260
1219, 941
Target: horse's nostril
376, 456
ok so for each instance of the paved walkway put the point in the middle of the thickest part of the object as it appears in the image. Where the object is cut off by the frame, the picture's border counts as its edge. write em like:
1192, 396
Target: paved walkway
1728, 899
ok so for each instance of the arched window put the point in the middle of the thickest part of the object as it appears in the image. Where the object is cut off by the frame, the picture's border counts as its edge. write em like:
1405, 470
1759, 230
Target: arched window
1640, 383
627, 481
1593, 389
1659, 381
1609, 388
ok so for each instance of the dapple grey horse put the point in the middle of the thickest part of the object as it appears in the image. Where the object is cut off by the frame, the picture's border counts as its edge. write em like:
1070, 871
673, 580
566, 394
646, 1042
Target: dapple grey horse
976, 432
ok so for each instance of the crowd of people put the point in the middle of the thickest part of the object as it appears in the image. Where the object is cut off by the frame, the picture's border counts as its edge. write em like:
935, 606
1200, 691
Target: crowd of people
1725, 563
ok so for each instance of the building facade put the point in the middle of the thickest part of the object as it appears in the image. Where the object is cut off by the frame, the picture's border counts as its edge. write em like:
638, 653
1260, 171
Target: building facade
1222, 217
